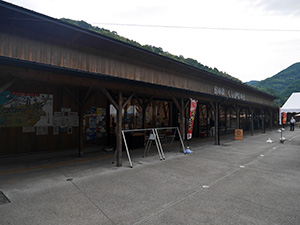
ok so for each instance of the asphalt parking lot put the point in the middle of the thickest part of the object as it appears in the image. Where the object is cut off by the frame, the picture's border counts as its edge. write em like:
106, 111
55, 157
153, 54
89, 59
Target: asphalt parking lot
238, 182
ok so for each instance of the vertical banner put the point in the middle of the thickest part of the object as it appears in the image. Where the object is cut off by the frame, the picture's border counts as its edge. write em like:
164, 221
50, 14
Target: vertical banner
192, 118
284, 117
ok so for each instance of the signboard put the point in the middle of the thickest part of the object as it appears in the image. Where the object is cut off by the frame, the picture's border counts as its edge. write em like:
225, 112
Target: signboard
192, 118
25, 109
238, 134
229, 93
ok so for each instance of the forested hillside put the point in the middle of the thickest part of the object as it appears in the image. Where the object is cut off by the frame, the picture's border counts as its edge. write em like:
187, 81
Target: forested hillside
151, 48
282, 84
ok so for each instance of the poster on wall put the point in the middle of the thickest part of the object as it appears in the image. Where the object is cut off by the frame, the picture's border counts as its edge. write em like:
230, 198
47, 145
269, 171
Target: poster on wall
101, 120
55, 130
58, 119
25, 109
65, 118
91, 134
92, 122
128, 118
73, 119
28, 129
95, 122
42, 130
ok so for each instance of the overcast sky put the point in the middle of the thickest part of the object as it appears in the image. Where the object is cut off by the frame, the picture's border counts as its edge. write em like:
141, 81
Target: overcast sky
247, 51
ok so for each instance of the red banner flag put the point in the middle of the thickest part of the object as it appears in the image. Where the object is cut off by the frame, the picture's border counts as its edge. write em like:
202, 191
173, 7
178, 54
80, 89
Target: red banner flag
192, 118
284, 118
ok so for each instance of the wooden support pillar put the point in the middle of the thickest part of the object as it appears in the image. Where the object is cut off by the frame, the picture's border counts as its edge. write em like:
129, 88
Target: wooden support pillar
263, 123
182, 119
81, 101
145, 105
81, 132
107, 120
252, 120
170, 114
225, 114
216, 107
237, 110
142, 106
246, 120
207, 123
119, 106
134, 113
143, 116
119, 131
155, 113
230, 119
197, 121
217, 128
175, 111
181, 110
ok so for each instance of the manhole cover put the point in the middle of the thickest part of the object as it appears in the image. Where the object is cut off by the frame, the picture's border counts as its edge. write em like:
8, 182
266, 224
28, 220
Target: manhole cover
3, 199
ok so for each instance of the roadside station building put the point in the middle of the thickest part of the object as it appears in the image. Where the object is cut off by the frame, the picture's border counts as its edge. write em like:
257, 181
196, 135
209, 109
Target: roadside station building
64, 87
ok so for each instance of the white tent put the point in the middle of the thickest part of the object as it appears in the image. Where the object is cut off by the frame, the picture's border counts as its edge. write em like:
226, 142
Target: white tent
292, 105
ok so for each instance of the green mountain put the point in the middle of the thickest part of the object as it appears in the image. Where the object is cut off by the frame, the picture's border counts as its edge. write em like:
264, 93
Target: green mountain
157, 50
253, 82
282, 84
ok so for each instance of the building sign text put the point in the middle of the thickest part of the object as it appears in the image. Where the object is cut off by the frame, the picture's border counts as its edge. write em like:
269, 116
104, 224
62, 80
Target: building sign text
229, 93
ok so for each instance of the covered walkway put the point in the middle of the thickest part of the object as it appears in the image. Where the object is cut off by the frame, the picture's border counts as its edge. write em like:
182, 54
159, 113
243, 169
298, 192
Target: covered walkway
237, 182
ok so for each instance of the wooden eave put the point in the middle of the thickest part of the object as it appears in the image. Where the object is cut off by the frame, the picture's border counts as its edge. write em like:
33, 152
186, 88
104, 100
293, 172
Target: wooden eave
24, 19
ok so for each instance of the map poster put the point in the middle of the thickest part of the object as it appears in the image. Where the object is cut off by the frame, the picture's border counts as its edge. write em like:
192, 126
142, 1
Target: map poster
25, 109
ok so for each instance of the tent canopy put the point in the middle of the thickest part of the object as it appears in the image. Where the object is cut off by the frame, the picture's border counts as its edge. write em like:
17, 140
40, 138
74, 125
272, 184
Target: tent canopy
292, 105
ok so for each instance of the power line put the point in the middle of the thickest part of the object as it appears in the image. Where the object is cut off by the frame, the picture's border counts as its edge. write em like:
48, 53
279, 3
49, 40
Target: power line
200, 28
175, 27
